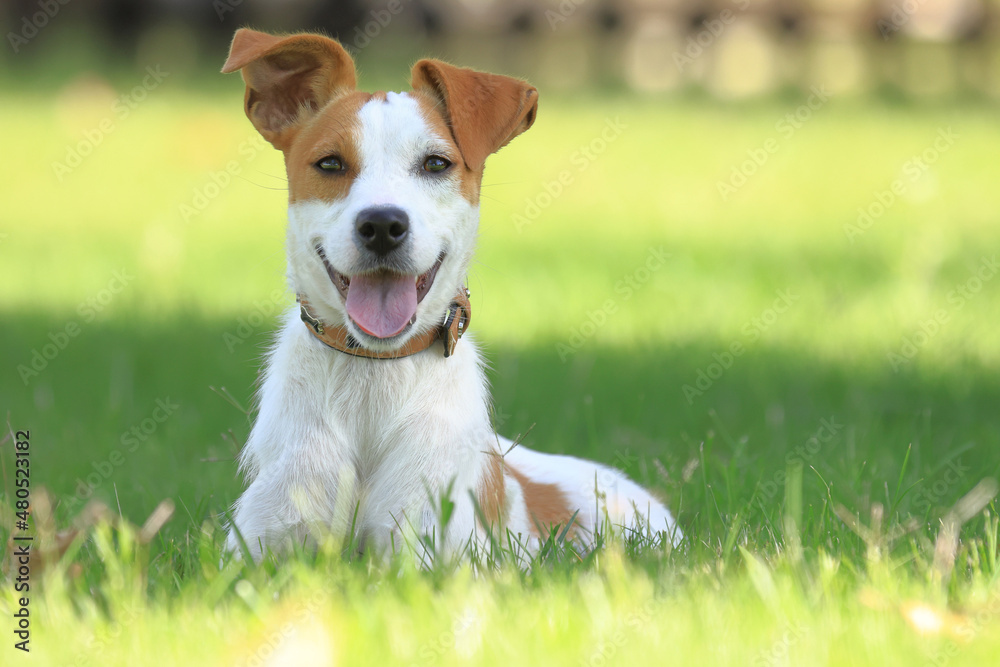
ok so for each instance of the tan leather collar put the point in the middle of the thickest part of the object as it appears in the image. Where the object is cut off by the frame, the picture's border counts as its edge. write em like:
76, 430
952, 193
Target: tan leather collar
456, 322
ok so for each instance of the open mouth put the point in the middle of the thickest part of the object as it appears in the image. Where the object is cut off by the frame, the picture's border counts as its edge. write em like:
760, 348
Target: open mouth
382, 303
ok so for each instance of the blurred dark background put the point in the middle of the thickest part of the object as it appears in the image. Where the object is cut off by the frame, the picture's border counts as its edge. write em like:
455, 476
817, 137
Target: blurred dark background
728, 48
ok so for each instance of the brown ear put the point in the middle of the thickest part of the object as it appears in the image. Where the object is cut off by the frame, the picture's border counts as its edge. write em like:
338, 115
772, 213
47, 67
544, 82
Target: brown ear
484, 111
286, 76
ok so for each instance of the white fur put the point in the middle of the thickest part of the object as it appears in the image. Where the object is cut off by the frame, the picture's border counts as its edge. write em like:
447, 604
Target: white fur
338, 434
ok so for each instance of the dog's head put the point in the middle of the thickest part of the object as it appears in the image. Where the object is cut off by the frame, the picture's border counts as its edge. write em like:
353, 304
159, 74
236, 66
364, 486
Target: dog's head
383, 188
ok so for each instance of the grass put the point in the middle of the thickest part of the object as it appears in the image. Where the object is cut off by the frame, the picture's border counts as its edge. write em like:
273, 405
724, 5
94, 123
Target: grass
819, 481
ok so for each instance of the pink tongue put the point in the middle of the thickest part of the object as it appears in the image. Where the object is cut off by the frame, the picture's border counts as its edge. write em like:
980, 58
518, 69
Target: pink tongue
383, 303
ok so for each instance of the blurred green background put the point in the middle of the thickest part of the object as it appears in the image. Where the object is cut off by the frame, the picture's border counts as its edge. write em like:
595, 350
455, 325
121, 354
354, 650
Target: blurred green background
732, 230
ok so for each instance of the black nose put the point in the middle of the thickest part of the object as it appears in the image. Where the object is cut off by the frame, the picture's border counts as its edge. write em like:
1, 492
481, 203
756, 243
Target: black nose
382, 229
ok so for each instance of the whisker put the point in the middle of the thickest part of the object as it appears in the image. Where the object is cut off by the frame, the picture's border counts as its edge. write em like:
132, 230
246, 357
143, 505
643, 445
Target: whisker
260, 185
275, 176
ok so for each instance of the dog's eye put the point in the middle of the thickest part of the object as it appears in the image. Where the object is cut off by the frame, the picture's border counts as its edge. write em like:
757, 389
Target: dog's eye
436, 163
331, 164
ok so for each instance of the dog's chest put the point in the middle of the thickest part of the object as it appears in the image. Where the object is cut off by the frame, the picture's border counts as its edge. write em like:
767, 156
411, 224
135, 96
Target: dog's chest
378, 418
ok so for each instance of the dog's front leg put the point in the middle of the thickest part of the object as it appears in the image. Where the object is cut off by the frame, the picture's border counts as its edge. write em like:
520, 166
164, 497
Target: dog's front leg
282, 507
264, 518
297, 459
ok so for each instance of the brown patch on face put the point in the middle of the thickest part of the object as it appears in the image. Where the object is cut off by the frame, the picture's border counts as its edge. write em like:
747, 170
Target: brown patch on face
334, 131
492, 491
484, 111
547, 504
433, 114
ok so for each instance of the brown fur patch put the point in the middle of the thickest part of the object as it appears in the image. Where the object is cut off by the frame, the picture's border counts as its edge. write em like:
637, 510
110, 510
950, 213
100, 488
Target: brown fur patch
433, 113
547, 504
492, 496
484, 111
286, 74
334, 131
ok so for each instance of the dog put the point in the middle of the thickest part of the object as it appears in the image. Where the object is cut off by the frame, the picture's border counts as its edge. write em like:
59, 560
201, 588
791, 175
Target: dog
374, 410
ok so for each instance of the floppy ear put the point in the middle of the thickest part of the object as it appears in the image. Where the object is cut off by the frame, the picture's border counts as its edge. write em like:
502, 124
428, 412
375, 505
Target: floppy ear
286, 77
484, 111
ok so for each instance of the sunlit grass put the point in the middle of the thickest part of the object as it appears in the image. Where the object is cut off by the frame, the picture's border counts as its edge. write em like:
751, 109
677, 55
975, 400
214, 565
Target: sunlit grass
770, 573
